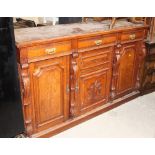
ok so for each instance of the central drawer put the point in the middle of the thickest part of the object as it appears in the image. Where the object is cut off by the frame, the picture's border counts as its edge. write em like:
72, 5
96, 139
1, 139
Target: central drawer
96, 41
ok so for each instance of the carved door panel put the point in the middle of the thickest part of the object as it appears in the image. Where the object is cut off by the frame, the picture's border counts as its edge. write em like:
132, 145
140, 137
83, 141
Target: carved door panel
94, 78
127, 68
93, 90
50, 79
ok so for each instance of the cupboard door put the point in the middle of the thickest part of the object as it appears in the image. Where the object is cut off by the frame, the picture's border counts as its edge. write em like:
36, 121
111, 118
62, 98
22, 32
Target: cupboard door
94, 90
127, 69
49, 80
94, 78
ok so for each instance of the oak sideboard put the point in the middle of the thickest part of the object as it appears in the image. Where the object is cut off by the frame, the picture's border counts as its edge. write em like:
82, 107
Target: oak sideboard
71, 73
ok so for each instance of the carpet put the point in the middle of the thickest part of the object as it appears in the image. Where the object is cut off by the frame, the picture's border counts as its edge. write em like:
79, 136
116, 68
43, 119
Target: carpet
134, 119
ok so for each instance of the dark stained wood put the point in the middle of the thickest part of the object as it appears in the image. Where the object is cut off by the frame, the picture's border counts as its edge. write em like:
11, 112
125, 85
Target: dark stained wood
72, 75
148, 78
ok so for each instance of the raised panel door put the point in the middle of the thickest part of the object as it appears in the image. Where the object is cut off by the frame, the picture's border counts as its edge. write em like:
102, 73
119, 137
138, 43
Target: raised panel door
93, 90
50, 78
127, 69
94, 78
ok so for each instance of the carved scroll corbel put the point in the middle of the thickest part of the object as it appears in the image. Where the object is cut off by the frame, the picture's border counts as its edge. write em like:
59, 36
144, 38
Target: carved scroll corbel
117, 52
26, 99
118, 55
141, 59
116, 60
74, 84
143, 50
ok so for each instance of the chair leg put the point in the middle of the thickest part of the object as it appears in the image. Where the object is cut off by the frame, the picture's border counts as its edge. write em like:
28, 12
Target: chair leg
112, 23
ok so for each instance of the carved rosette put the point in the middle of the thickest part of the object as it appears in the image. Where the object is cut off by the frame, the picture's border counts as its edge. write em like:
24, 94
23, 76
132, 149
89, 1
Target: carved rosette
74, 84
26, 99
94, 91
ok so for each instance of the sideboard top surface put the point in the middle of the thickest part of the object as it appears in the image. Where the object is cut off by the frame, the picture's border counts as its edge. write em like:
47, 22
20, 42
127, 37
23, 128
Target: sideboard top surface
29, 36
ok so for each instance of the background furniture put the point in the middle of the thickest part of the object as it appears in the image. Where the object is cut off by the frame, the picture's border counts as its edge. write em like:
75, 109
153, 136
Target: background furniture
22, 23
114, 19
151, 34
68, 20
148, 81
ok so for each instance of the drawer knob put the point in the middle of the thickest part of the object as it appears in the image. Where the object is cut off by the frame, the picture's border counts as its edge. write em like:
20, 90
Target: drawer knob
132, 36
98, 42
50, 50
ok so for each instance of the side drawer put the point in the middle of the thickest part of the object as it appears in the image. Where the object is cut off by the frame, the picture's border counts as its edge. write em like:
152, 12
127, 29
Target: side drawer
49, 49
132, 35
96, 41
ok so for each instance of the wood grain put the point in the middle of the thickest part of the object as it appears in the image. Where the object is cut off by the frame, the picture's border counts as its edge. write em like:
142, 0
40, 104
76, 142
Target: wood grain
66, 80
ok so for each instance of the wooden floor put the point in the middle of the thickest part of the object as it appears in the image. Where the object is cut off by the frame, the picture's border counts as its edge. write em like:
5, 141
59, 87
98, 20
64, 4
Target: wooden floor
135, 119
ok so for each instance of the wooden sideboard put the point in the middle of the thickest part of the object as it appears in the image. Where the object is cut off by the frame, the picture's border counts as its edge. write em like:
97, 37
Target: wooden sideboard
71, 73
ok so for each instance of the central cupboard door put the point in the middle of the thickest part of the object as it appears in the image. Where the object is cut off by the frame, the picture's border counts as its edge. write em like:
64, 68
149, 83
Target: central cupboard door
94, 78
50, 80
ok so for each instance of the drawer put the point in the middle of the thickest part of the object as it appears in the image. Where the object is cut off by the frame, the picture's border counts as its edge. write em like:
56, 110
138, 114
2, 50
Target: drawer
95, 58
49, 49
88, 69
129, 36
96, 41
